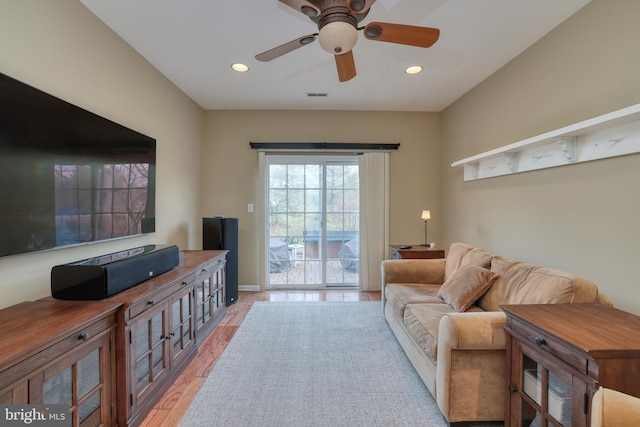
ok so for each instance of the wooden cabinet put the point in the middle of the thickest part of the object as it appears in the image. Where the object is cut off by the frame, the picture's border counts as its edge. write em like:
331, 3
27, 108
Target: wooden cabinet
210, 305
111, 360
559, 354
161, 320
415, 252
157, 339
60, 352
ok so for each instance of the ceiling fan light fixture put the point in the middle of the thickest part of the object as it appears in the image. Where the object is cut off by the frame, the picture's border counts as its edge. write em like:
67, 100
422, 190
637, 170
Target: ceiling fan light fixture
413, 69
307, 40
373, 31
338, 37
357, 5
309, 11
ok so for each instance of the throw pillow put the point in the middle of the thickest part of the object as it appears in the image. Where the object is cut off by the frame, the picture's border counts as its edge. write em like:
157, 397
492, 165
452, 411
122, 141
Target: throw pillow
466, 285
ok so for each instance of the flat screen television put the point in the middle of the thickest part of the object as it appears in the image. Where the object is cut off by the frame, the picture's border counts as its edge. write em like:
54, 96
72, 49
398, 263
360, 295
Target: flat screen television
68, 176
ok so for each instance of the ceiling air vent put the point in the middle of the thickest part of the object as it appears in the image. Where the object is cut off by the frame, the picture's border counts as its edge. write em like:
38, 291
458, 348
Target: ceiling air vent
317, 94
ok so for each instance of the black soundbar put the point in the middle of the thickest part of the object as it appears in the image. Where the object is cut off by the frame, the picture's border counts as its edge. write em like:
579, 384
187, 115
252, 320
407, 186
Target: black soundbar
100, 277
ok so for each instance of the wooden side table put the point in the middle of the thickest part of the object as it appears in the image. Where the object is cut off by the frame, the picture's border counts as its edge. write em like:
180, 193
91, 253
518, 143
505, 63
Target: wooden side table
559, 354
415, 252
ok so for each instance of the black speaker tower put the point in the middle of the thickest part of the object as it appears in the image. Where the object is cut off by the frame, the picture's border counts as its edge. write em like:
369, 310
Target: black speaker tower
221, 233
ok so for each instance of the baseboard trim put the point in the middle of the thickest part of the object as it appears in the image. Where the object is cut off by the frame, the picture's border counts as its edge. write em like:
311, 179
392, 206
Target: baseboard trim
249, 288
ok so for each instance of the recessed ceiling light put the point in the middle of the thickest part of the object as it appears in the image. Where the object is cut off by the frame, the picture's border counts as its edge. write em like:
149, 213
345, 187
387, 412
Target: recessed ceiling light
239, 67
414, 69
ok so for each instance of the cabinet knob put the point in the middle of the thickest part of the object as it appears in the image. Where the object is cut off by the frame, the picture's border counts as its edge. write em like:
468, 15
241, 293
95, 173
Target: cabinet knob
513, 389
540, 341
184, 283
151, 302
83, 336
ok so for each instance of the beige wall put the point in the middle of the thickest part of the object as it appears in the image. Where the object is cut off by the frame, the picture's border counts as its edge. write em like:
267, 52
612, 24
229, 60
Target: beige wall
581, 218
230, 175
61, 48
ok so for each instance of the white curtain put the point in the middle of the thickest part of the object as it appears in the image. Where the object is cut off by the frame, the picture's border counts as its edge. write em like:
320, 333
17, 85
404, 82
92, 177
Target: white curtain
374, 214
262, 229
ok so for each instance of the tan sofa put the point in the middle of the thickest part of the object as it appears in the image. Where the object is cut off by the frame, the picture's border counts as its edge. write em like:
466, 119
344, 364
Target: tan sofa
611, 408
445, 314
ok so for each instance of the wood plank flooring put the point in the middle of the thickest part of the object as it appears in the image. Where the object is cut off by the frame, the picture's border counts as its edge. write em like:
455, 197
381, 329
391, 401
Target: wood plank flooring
173, 405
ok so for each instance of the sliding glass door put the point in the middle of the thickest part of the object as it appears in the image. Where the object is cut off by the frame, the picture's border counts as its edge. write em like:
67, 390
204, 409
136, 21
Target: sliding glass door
312, 223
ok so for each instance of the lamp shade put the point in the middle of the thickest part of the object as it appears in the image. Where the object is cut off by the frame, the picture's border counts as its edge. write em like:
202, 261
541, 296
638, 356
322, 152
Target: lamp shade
426, 215
338, 37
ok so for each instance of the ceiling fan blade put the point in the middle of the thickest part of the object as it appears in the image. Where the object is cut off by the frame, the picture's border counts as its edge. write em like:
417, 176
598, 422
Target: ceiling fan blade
346, 66
286, 48
303, 6
360, 6
401, 34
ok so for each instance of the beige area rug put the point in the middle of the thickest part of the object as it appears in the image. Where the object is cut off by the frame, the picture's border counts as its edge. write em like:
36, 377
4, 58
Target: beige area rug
313, 364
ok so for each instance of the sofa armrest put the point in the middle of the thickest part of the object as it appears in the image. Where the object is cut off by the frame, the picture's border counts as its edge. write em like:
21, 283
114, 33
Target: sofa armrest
613, 408
479, 330
428, 271
471, 365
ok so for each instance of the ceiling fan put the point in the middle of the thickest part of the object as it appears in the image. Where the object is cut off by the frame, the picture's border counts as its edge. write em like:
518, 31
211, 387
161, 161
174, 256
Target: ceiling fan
338, 21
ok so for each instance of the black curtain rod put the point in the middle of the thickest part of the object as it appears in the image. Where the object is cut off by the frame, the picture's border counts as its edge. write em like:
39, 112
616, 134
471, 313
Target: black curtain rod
319, 146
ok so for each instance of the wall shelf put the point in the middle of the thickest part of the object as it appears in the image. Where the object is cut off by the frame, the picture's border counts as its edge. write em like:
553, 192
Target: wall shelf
610, 135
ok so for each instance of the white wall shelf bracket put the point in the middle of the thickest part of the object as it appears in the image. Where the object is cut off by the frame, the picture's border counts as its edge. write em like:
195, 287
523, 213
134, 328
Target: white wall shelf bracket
511, 159
472, 170
610, 135
568, 147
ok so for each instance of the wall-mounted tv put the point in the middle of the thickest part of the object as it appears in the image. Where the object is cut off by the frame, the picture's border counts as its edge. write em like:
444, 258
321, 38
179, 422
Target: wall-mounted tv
68, 176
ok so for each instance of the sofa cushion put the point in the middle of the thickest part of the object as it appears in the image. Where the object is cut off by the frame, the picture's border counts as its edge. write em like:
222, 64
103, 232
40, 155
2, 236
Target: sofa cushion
557, 287
398, 295
457, 251
461, 254
466, 285
522, 283
422, 322
511, 276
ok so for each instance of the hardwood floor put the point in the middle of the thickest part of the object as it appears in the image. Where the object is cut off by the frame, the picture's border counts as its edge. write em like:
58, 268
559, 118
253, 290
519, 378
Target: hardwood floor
173, 405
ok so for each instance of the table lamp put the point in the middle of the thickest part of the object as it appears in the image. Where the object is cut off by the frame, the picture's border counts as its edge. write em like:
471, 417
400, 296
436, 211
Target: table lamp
426, 215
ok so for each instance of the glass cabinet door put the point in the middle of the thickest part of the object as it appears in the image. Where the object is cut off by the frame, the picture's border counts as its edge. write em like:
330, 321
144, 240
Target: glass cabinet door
547, 398
181, 324
218, 288
149, 342
209, 295
203, 299
82, 385
89, 390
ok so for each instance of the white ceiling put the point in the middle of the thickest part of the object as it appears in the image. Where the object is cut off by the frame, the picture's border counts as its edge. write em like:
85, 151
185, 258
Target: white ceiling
194, 42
